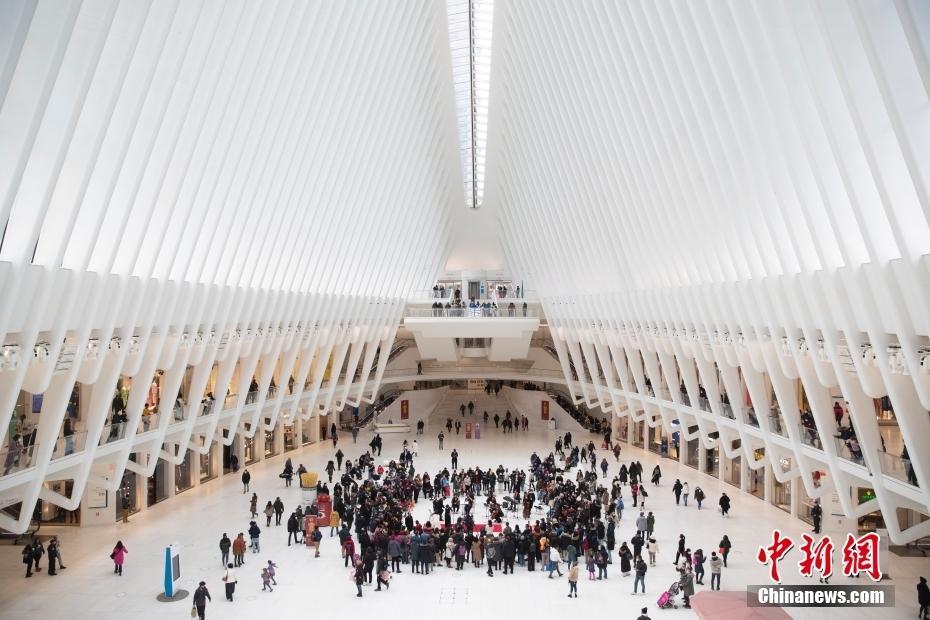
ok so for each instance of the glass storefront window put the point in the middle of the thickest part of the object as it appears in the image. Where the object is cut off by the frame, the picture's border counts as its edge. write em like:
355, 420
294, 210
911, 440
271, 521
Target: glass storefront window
290, 438
248, 450
757, 482
782, 495
182, 474
271, 447
158, 483
128, 489
655, 439
638, 434
736, 470
51, 513
305, 433
694, 445
712, 462
207, 467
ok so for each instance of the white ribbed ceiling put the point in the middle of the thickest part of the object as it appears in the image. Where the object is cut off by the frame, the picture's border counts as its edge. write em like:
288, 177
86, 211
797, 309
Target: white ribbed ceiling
282, 144
644, 145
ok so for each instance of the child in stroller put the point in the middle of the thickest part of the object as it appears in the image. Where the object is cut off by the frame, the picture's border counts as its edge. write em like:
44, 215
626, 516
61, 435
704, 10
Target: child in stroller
667, 600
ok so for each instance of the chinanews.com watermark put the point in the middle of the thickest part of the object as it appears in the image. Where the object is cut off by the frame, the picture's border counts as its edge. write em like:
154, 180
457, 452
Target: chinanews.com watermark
860, 557
820, 596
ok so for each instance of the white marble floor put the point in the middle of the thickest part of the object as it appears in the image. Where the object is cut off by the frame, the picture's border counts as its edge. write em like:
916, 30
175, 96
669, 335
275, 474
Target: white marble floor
196, 519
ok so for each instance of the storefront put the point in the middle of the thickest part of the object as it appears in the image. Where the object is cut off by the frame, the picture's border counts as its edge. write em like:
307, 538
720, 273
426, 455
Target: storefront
693, 453
157, 484
638, 433
623, 430
271, 446
735, 471
306, 437
781, 494
50, 513
757, 476
290, 438
712, 462
207, 464
182, 474
129, 489
656, 438
248, 450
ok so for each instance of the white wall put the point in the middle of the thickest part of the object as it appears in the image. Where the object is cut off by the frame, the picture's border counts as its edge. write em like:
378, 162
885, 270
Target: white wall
422, 404
527, 402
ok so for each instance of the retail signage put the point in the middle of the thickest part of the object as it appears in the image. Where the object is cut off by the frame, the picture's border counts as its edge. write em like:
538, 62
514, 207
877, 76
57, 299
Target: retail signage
404, 409
468, 428
544, 409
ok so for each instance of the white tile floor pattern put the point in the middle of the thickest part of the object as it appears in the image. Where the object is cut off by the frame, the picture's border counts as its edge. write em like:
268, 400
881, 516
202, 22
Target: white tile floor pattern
197, 518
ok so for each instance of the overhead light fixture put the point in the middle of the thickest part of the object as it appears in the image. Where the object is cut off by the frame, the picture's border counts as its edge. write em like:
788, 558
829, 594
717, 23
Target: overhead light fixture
114, 344
9, 360
41, 351
135, 345
92, 350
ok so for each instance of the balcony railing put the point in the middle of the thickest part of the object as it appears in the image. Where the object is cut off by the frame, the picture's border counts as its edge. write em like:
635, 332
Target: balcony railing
810, 437
897, 467
17, 458
847, 450
478, 313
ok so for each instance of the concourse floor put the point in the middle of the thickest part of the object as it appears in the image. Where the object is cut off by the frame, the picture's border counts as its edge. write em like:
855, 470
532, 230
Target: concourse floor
308, 587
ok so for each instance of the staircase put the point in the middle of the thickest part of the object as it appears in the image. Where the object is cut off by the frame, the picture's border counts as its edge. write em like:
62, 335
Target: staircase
454, 399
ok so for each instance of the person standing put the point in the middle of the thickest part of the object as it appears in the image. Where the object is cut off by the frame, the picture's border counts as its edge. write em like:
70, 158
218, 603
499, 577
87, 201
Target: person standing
246, 478
724, 549
640, 579
573, 580
254, 533
52, 556
685, 490
253, 505
37, 552
816, 515
225, 545
652, 548
239, 549
441, 437
201, 596
230, 580
642, 615
119, 556
554, 560
27, 558
716, 565
686, 584
923, 599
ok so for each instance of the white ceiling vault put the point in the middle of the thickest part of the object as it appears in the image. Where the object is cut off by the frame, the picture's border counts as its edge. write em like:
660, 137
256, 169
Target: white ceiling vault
727, 194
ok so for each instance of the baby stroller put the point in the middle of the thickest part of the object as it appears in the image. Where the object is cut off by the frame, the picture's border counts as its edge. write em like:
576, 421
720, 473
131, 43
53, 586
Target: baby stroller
667, 600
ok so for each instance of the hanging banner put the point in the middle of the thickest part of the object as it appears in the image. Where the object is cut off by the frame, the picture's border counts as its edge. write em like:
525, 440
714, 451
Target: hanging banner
404, 409
468, 430
544, 409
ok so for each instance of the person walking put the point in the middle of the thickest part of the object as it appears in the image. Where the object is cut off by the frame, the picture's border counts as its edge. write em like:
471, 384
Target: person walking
681, 549
359, 576
254, 533
229, 579
278, 510
225, 545
716, 565
293, 527
697, 560
239, 549
269, 512
686, 585
53, 555
246, 478
384, 577
699, 496
119, 556
272, 572
201, 596
676, 489
266, 580
441, 437
573, 580
724, 548
923, 599
724, 505
554, 560
685, 491
253, 506
640, 579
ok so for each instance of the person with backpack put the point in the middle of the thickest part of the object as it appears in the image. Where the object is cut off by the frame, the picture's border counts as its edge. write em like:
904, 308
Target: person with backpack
201, 596
317, 538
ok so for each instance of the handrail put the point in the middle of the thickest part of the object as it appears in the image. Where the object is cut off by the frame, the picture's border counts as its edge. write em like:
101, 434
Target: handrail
469, 313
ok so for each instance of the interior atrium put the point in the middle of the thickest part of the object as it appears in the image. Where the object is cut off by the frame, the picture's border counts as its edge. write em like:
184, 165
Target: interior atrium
694, 233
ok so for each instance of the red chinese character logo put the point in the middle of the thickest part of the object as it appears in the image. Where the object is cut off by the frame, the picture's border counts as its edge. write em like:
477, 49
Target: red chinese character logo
861, 556
817, 557
775, 552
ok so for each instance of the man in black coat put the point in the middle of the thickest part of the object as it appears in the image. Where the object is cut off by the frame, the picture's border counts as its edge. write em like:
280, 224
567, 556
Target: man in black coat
509, 552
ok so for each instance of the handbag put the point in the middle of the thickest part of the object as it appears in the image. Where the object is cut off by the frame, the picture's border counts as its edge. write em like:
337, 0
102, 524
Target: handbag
113, 556
194, 611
